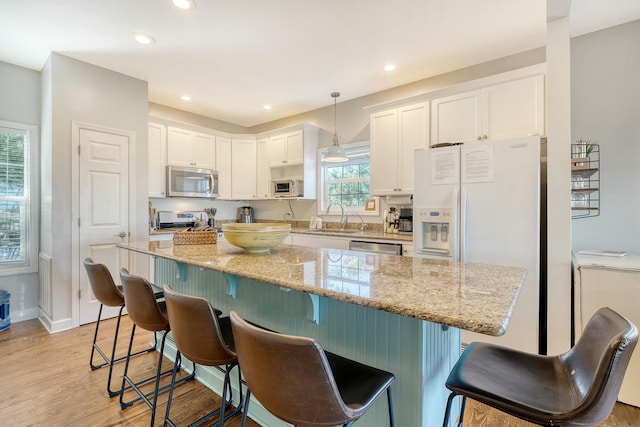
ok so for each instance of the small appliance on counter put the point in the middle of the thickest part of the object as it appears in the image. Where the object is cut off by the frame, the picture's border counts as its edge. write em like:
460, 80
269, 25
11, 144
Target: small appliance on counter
405, 220
245, 214
288, 187
390, 221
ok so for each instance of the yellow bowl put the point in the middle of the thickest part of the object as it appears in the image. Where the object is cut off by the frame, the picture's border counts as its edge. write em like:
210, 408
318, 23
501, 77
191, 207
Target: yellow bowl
256, 237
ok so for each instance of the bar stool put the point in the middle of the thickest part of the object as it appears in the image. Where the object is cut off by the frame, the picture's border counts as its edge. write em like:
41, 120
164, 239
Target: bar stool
577, 388
206, 339
109, 294
149, 314
298, 382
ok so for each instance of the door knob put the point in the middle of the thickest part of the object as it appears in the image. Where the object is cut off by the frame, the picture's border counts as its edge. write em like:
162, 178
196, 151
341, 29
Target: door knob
121, 234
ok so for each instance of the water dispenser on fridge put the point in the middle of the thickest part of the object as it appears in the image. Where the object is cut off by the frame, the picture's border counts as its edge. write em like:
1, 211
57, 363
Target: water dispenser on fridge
436, 227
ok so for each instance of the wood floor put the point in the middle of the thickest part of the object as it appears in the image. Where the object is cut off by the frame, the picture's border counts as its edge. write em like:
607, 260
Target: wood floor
45, 380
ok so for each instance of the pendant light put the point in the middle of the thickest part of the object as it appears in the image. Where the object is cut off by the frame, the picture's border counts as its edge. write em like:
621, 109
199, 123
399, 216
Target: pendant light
335, 153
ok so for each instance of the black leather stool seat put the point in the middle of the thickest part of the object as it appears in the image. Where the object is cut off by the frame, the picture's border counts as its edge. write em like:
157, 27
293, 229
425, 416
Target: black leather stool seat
529, 385
300, 383
576, 388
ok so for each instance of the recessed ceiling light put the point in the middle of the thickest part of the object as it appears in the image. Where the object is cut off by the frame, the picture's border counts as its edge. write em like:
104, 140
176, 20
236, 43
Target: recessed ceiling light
389, 67
185, 98
267, 107
184, 4
144, 38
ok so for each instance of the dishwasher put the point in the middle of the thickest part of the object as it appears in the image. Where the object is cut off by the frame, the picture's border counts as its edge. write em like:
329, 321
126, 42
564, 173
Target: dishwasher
376, 247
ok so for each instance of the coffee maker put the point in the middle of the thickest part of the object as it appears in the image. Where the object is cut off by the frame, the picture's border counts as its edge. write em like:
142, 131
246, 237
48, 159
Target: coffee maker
245, 214
405, 220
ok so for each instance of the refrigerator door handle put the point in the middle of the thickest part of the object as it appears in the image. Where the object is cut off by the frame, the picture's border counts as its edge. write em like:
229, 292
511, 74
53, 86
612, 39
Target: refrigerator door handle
463, 224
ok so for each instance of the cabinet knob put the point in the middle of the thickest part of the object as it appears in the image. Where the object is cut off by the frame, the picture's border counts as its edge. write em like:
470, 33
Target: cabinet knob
479, 138
484, 137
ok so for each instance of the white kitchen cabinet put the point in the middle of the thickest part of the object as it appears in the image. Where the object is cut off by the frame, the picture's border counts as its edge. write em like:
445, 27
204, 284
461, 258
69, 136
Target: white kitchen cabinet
395, 134
263, 177
292, 154
319, 241
286, 149
223, 166
243, 168
189, 148
157, 160
407, 249
501, 111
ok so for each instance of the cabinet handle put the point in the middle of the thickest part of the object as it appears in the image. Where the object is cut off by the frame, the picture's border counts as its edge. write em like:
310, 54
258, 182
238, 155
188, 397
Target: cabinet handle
479, 138
484, 137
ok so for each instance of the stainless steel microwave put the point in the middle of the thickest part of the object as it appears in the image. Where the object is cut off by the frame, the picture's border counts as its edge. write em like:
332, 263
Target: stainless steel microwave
286, 188
183, 181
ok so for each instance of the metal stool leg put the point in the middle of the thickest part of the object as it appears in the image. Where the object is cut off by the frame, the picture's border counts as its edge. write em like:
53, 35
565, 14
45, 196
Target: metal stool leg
226, 402
135, 386
110, 361
246, 408
447, 412
392, 422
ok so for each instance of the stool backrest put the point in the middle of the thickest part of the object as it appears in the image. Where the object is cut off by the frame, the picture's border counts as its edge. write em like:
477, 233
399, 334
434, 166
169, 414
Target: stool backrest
142, 306
289, 375
102, 284
598, 363
196, 330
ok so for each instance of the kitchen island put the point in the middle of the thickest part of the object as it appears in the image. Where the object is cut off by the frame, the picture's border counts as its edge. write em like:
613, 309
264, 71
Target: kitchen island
400, 314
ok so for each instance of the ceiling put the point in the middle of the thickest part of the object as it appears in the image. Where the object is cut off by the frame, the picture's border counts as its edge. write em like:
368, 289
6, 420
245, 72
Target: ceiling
233, 57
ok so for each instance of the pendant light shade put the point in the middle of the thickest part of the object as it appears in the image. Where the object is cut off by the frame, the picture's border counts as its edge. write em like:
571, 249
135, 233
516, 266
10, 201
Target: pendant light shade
335, 153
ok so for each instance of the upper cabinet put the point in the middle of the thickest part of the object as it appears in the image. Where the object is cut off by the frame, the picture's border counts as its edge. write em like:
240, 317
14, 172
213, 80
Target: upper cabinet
286, 149
395, 134
243, 168
157, 140
292, 154
223, 166
189, 148
263, 176
501, 111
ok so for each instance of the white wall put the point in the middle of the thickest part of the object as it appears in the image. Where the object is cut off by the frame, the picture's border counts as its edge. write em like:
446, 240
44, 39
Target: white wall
77, 91
605, 92
20, 89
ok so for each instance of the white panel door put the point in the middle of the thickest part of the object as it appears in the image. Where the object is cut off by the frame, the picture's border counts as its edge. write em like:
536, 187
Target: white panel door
204, 151
179, 147
104, 210
223, 166
456, 118
243, 169
384, 152
514, 109
413, 124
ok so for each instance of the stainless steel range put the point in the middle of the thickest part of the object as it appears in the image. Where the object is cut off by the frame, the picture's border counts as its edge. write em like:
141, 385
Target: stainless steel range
178, 220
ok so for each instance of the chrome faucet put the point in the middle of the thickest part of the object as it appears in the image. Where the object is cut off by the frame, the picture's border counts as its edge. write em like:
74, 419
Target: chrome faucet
343, 217
362, 224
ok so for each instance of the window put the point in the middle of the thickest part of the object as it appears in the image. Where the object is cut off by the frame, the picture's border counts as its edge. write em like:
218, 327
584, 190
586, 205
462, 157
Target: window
18, 226
347, 183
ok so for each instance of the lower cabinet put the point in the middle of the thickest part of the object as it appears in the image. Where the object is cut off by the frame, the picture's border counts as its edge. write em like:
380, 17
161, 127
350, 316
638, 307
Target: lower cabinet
330, 242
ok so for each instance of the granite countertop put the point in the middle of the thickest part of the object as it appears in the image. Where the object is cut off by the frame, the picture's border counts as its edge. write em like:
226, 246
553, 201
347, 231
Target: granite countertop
355, 234
474, 297
350, 233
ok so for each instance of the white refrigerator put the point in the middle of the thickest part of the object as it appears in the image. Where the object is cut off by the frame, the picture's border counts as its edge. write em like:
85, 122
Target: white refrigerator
614, 282
480, 203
